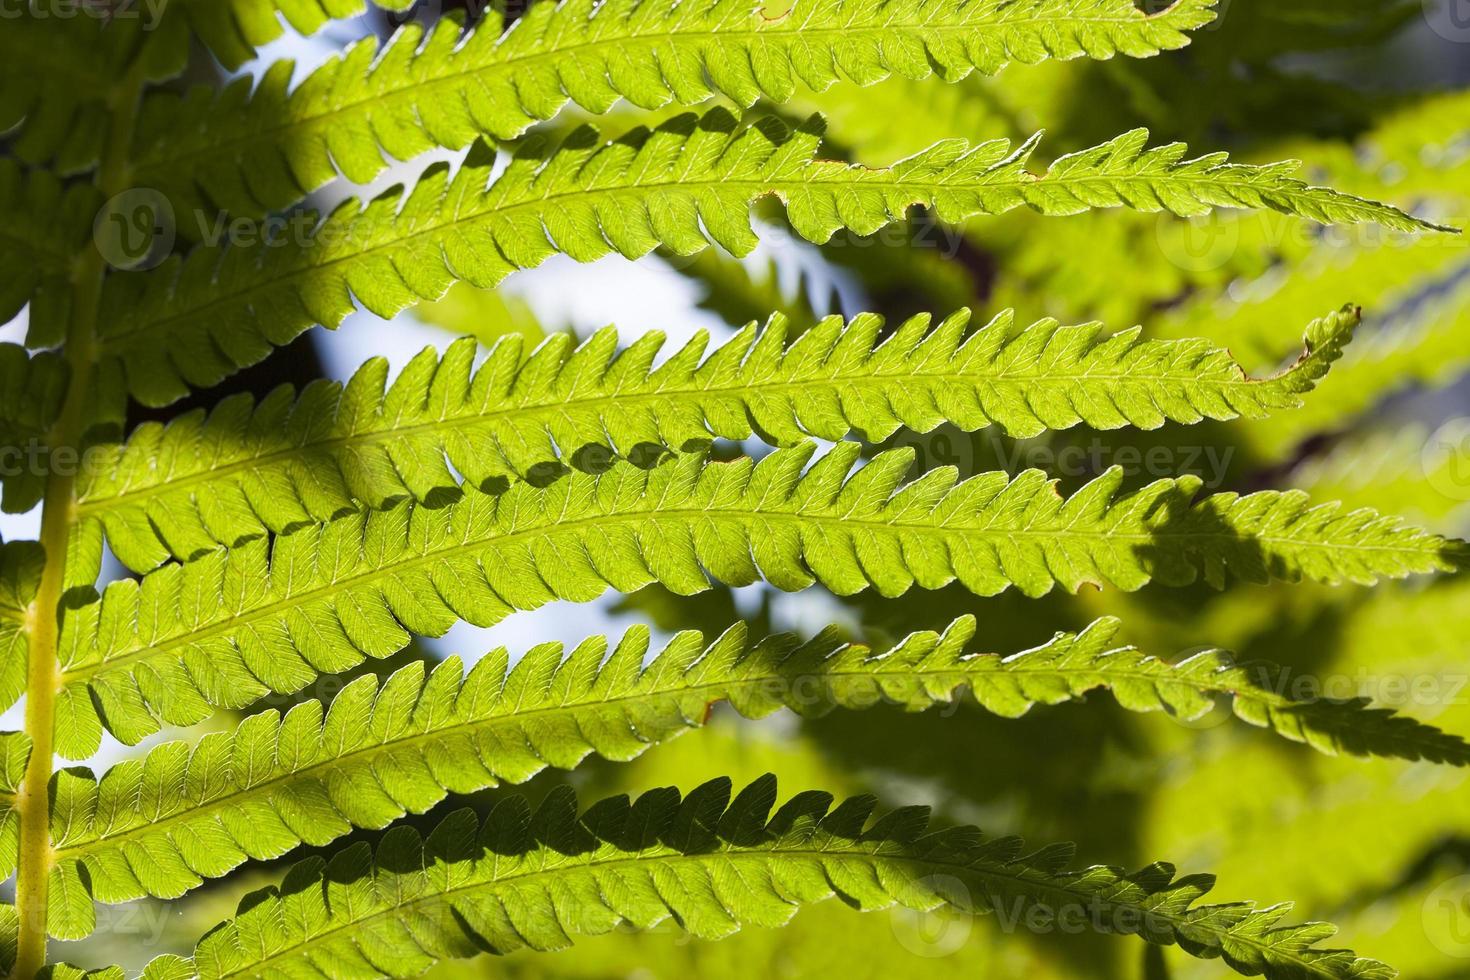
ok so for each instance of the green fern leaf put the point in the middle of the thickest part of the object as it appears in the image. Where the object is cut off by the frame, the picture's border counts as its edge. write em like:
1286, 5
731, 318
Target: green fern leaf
537, 879
20, 579
233, 29
31, 391
376, 754
9, 936
230, 627
44, 226
66, 971
15, 752
252, 153
57, 124
218, 480
687, 183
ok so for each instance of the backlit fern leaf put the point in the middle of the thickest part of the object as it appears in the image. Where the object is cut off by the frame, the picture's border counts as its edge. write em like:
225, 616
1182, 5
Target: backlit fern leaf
15, 752
233, 625
233, 29
688, 183
20, 578
250, 153
376, 754
538, 879
242, 470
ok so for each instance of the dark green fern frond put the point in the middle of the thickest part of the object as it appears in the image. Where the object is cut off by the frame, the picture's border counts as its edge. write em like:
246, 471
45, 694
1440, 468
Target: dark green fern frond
44, 225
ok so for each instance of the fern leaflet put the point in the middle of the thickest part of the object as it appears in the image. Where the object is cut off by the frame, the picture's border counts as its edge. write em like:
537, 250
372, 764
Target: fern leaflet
250, 155
234, 625
189, 813
20, 579
207, 481
688, 183
536, 879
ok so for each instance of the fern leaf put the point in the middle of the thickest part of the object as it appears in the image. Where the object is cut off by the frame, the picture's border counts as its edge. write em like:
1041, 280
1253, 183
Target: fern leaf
252, 153
226, 629
15, 753
46, 123
9, 937
208, 481
537, 879
687, 183
376, 754
44, 225
233, 29
20, 579
31, 391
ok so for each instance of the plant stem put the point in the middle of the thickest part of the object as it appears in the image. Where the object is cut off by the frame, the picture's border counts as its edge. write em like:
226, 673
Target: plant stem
43, 671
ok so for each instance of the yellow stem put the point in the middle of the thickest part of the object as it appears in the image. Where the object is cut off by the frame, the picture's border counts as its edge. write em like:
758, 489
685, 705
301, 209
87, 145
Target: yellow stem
43, 673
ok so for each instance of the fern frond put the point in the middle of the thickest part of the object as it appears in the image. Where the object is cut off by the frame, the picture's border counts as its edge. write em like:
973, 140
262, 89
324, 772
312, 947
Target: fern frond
226, 629
31, 390
536, 879
15, 752
688, 183
20, 579
252, 153
44, 225
377, 754
233, 29
57, 124
9, 936
208, 481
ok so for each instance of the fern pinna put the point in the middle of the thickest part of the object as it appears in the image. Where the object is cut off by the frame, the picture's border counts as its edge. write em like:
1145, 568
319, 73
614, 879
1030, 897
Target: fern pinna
268, 543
